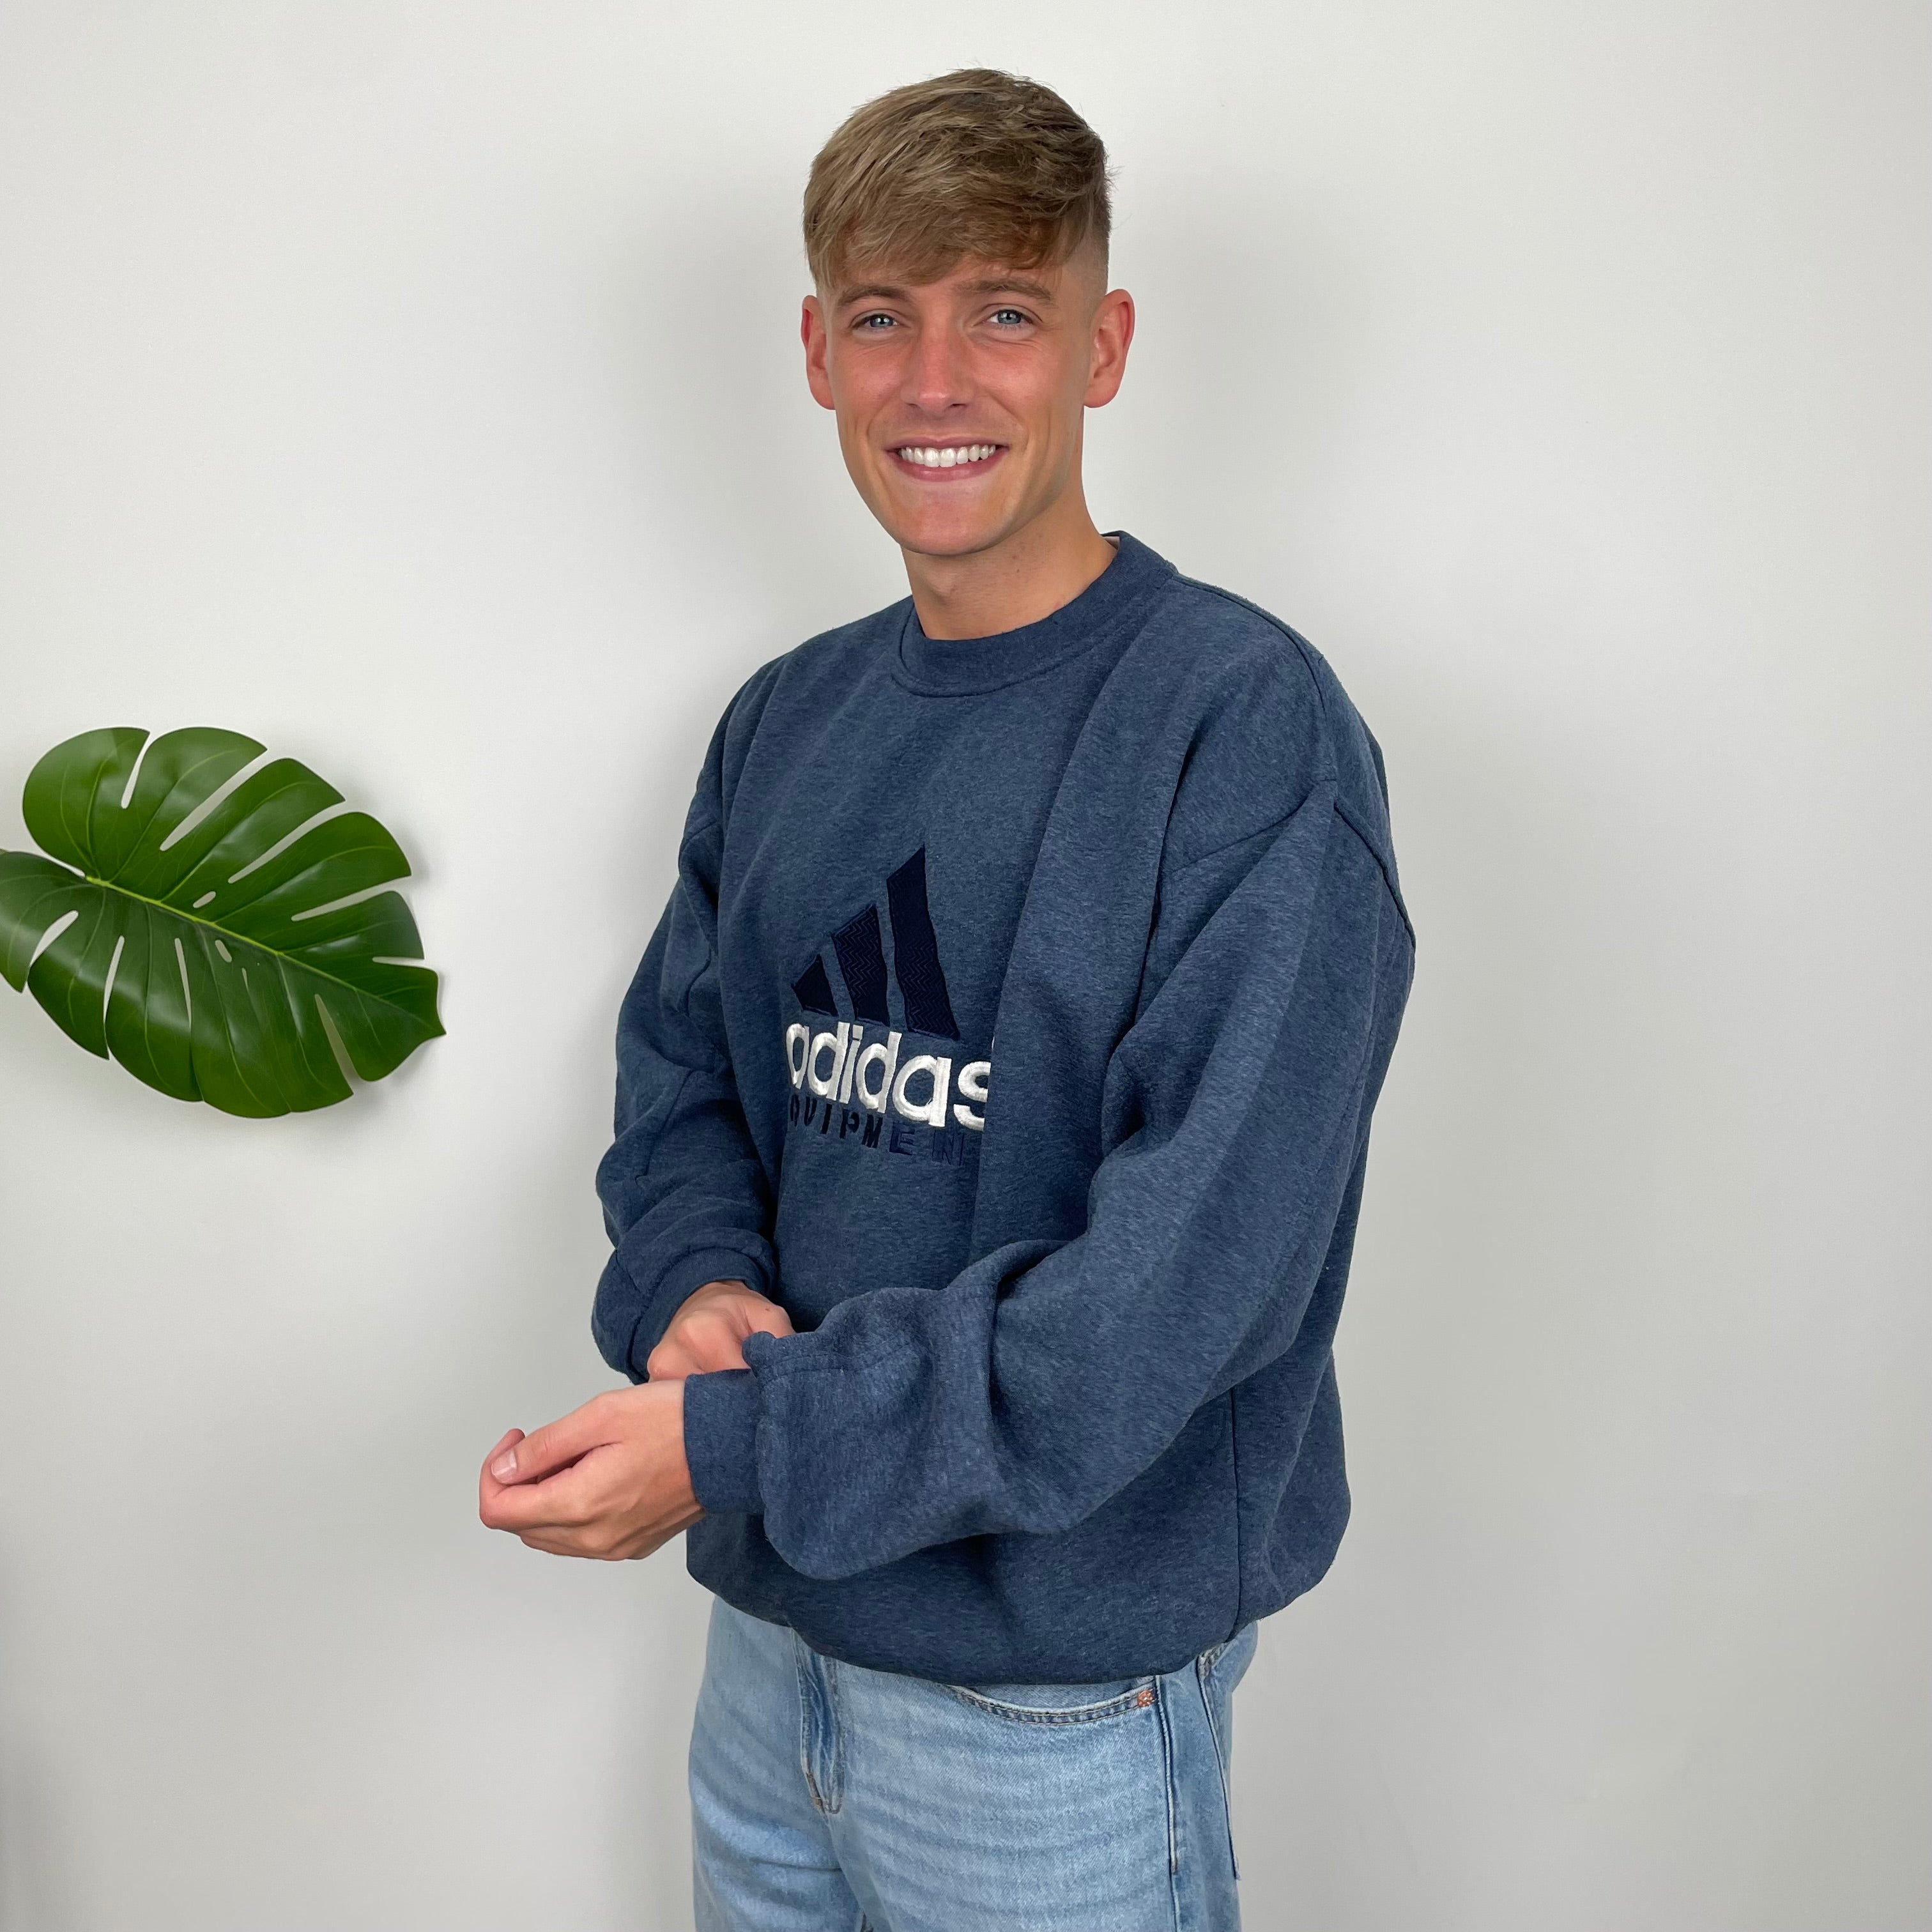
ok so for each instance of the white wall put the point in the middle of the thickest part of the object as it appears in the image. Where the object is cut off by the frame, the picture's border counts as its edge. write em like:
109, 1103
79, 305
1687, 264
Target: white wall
413, 386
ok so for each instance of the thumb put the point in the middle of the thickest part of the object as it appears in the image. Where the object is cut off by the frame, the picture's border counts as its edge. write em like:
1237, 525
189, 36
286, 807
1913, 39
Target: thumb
508, 1440
554, 1446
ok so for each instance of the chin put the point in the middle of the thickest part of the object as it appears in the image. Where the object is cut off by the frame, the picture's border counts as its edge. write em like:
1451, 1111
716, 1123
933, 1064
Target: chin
950, 536
951, 544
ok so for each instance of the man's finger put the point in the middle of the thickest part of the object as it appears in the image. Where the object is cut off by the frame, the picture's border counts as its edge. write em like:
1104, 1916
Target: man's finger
713, 1338
669, 1362
487, 1485
558, 1503
555, 1446
565, 1542
696, 1349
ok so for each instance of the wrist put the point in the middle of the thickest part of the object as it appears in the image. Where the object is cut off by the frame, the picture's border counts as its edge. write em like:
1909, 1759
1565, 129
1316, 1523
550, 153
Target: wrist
711, 1290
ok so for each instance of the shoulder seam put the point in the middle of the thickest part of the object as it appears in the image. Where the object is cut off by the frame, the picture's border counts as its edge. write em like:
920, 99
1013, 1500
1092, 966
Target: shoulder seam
1188, 864
1368, 845
691, 832
1338, 810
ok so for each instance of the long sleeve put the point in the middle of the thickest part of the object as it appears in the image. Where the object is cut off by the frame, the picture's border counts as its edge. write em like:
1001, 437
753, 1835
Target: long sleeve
1048, 1375
685, 1200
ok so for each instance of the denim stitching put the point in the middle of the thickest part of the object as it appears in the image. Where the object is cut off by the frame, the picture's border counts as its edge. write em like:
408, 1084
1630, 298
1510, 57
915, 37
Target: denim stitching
1220, 1757
1173, 1795
1137, 1699
835, 1758
805, 1702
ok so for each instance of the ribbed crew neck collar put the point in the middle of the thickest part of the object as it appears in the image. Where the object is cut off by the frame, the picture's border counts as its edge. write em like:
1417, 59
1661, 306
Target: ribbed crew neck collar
958, 665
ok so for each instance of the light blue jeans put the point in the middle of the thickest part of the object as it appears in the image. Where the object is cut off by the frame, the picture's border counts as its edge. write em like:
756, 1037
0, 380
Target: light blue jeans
828, 1798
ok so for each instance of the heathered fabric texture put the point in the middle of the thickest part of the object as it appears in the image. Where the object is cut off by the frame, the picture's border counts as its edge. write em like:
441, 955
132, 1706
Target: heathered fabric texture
1062, 1406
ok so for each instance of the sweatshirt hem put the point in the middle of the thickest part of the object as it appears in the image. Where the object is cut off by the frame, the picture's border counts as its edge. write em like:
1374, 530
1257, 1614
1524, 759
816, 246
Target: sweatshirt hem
721, 1426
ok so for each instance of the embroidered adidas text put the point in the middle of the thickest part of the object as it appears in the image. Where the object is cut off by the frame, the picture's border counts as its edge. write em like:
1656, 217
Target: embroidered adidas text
871, 1074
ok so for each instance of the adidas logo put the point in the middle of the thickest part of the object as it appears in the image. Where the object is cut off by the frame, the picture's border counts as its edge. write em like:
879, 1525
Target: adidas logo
843, 1066
859, 946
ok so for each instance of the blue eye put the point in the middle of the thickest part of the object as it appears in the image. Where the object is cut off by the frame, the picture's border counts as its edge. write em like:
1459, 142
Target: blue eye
1009, 315
867, 321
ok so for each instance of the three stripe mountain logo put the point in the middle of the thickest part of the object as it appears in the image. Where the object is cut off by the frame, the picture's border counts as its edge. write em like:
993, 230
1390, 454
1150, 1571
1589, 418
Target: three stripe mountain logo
848, 1083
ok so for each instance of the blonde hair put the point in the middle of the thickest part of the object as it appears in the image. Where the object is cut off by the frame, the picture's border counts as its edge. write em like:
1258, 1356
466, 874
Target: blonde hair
976, 162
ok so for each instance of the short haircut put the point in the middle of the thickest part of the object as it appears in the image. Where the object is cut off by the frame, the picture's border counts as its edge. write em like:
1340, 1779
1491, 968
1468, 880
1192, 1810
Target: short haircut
976, 162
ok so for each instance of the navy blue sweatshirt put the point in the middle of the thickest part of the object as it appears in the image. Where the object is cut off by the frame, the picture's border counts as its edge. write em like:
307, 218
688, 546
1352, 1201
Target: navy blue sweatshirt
1015, 1025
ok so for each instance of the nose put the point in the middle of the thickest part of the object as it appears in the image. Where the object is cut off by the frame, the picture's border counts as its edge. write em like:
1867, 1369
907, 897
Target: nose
937, 378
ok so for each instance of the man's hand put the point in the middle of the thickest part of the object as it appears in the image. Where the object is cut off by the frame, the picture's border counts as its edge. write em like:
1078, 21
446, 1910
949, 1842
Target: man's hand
608, 1480
709, 1330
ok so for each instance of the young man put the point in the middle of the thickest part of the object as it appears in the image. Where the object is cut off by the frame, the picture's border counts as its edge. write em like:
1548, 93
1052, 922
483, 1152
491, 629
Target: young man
993, 1101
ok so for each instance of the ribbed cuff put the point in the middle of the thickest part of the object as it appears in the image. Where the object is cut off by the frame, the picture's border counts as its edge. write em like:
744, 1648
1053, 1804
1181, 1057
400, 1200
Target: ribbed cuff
678, 1283
721, 1441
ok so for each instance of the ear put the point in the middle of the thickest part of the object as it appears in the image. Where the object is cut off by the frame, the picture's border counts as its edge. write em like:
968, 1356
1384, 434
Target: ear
1113, 332
812, 332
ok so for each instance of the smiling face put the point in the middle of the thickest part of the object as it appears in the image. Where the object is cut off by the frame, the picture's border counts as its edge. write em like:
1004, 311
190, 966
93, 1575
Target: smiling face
960, 401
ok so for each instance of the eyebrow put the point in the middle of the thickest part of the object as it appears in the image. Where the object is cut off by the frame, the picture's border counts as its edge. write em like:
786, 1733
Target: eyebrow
1012, 285
989, 285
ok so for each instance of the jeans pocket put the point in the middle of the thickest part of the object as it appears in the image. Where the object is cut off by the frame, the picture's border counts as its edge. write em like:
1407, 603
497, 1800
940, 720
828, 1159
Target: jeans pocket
1057, 1703
1227, 1662
1218, 1671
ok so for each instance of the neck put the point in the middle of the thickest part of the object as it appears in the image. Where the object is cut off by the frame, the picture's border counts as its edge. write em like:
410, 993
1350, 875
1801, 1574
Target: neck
1024, 576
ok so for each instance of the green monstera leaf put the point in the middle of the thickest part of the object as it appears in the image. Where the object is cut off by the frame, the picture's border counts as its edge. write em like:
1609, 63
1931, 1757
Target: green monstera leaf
201, 936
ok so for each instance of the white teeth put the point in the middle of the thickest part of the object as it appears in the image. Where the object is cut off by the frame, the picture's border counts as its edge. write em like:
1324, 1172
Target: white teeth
950, 458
